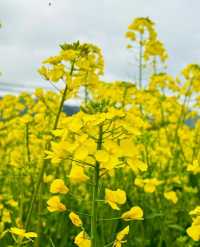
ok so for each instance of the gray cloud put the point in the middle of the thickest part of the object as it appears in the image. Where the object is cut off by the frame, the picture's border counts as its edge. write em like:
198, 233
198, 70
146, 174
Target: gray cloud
32, 31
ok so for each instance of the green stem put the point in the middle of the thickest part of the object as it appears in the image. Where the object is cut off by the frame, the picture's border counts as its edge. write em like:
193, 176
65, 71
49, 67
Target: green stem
60, 108
43, 168
39, 223
95, 193
94, 206
35, 193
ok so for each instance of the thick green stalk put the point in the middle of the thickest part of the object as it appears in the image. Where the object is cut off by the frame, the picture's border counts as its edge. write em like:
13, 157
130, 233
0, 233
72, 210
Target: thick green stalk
94, 206
35, 193
60, 108
95, 190
43, 168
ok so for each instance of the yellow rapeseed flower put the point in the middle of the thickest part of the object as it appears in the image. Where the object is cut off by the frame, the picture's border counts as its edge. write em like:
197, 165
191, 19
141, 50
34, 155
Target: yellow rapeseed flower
194, 167
194, 232
58, 186
151, 184
54, 204
135, 213
82, 240
120, 236
22, 233
171, 196
75, 219
113, 198
195, 211
102, 156
77, 174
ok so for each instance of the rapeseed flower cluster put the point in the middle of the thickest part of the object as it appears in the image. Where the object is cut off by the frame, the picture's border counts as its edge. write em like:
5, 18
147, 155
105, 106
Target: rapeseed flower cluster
122, 171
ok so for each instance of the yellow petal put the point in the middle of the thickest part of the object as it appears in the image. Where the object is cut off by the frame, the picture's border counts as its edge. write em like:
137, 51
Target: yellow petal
135, 213
58, 186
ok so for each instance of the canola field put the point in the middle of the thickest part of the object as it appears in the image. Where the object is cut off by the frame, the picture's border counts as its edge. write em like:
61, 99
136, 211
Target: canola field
124, 171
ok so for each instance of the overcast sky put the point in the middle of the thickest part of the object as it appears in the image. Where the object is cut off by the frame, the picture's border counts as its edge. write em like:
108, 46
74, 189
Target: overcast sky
32, 30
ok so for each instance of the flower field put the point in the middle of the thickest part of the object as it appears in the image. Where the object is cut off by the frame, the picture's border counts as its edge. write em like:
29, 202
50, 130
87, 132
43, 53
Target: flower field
124, 171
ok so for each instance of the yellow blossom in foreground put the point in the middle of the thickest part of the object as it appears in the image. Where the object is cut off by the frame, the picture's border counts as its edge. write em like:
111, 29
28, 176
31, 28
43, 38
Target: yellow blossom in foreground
58, 186
120, 236
22, 233
115, 197
135, 213
82, 240
54, 204
171, 196
75, 219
